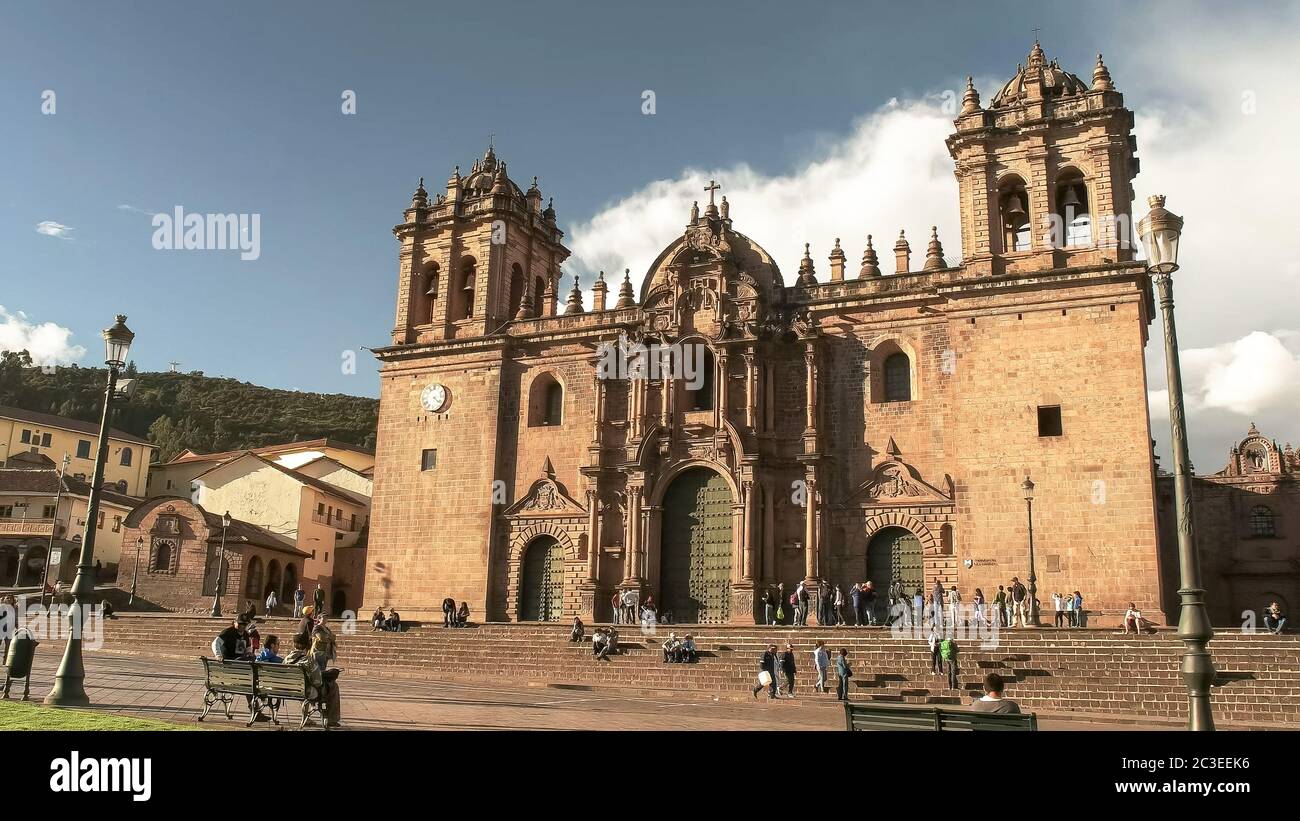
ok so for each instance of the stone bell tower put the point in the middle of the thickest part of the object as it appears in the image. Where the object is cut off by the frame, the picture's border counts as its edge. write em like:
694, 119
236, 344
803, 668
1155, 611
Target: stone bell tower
476, 257
1045, 172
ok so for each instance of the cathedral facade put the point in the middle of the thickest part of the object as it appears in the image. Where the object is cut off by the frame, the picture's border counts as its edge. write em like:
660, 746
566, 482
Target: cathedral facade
872, 421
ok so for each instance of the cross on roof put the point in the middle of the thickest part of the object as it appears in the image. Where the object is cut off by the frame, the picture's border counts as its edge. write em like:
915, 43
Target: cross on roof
711, 187
1036, 35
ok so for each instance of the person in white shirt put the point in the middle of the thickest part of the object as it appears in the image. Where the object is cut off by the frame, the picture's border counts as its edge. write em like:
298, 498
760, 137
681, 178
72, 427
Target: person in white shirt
1134, 617
1059, 604
1069, 609
954, 605
822, 663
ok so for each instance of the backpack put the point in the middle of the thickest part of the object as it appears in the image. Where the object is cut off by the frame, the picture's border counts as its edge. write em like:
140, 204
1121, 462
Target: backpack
794, 599
948, 649
780, 613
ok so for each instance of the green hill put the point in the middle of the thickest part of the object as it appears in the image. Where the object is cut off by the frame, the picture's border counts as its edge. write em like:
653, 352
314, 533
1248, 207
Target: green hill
189, 410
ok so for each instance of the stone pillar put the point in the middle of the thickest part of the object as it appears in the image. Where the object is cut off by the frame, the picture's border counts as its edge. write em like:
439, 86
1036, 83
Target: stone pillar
810, 367
720, 387
634, 533
768, 573
593, 535
810, 531
749, 391
747, 534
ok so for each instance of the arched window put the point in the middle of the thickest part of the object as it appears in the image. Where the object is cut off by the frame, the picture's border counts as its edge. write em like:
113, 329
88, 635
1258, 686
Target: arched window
701, 398
516, 289
1262, 522
1013, 207
1072, 211
898, 378
465, 292
430, 294
546, 402
162, 558
253, 579
539, 295
126, 457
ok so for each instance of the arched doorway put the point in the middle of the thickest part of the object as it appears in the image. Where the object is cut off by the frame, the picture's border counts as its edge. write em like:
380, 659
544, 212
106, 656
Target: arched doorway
290, 583
8, 565
340, 602
896, 553
273, 580
253, 587
541, 592
695, 549
33, 566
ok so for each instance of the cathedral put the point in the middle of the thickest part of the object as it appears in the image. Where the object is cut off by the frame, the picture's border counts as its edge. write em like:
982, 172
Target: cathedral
850, 422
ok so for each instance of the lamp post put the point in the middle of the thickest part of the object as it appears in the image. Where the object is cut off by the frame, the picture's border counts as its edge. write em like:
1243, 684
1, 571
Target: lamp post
1028, 487
49, 550
1160, 231
135, 574
69, 682
221, 561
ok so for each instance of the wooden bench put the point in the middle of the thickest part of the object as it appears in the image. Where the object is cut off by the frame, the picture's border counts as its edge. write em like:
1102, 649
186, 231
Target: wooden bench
265, 685
860, 717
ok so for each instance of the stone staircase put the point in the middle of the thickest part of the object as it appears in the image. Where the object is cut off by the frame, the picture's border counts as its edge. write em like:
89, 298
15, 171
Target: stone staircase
1051, 671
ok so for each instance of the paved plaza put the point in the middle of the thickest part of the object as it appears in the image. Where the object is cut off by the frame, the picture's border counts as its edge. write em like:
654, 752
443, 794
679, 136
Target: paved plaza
172, 691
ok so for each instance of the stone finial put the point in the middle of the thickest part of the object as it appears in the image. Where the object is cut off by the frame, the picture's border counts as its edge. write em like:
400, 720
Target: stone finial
970, 101
1101, 77
420, 199
695, 212
837, 262
525, 310
870, 262
599, 290
726, 208
549, 213
500, 184
573, 305
1036, 56
902, 254
807, 275
934, 253
625, 297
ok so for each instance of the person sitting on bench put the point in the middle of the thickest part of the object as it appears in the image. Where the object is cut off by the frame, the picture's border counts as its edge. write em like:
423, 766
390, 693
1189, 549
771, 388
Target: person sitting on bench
393, 623
1274, 618
1133, 618
992, 700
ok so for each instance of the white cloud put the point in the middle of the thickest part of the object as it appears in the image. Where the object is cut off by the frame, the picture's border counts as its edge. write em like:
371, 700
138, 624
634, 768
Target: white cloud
50, 228
892, 166
1253, 374
133, 209
48, 343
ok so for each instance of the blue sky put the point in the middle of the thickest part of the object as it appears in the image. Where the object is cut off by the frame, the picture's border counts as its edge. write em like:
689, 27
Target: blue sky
235, 107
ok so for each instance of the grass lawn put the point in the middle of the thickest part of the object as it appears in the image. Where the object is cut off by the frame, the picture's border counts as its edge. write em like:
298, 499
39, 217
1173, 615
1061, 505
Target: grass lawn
20, 716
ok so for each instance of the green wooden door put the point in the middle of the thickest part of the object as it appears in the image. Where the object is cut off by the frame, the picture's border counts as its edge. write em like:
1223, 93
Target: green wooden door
894, 553
541, 595
695, 549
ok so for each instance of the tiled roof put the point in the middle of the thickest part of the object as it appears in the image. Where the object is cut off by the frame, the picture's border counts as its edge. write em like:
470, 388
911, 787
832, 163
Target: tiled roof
46, 483
311, 481
306, 444
49, 420
241, 532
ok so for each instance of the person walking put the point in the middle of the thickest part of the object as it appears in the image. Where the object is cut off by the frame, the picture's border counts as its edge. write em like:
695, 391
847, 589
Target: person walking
821, 663
948, 652
769, 607
803, 602
1078, 609
936, 605
936, 659
844, 672
782, 604
839, 619
869, 602
1018, 596
318, 599
767, 672
788, 668
978, 601
918, 608
855, 598
271, 602
616, 606
825, 604
1000, 607
954, 605
298, 597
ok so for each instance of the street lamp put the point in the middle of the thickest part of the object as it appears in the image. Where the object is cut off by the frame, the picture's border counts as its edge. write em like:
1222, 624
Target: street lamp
135, 574
1160, 231
1028, 487
69, 682
221, 561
